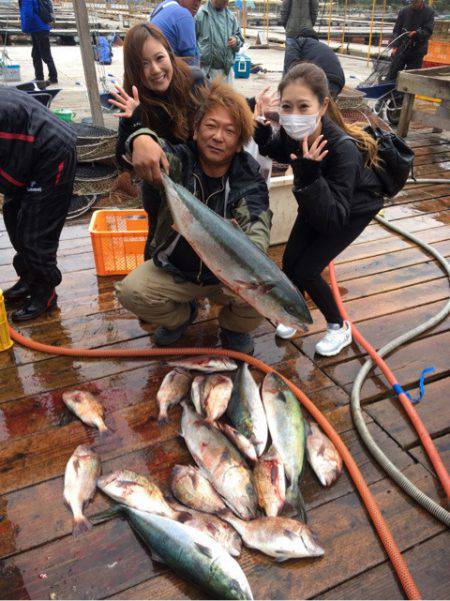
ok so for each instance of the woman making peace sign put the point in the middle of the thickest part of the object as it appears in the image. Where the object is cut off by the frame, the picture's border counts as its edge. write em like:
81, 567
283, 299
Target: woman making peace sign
336, 190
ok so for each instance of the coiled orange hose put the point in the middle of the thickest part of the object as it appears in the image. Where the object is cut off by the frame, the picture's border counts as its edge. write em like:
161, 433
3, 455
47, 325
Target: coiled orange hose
409, 408
381, 527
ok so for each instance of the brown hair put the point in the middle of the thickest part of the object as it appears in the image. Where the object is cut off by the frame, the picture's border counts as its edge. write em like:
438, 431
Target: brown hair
315, 79
223, 95
179, 102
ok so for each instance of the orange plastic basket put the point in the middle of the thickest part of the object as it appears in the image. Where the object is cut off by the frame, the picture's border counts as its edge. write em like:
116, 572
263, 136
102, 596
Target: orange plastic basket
118, 240
438, 53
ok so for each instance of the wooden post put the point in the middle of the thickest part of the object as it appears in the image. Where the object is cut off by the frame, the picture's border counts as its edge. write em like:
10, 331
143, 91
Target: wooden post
406, 114
87, 55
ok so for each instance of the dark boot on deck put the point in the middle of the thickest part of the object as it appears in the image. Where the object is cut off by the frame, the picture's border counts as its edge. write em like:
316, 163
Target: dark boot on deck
36, 305
19, 291
237, 341
165, 337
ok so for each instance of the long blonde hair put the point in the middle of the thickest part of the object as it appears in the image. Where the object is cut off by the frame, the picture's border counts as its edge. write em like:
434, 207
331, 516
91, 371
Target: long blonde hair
315, 79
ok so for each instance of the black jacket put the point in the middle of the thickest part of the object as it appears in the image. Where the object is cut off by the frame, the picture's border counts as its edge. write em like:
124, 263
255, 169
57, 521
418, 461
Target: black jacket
33, 141
410, 19
329, 192
243, 197
313, 51
161, 123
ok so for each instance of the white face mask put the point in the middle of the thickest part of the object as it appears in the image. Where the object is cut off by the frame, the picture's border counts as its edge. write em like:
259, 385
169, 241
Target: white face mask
299, 126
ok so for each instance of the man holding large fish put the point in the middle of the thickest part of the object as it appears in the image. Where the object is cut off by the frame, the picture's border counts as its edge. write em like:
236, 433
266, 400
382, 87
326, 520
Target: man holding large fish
204, 255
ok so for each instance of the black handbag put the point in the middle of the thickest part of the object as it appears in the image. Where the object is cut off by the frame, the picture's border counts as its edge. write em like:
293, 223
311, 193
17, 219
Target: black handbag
46, 12
396, 160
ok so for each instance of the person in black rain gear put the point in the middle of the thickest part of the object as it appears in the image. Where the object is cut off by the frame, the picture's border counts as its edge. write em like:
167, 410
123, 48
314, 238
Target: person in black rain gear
37, 169
337, 191
307, 48
408, 52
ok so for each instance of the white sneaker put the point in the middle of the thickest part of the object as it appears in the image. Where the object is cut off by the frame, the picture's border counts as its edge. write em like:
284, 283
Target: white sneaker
285, 332
335, 340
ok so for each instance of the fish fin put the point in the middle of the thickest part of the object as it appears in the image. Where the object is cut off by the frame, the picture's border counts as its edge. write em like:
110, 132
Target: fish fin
183, 516
281, 558
263, 287
106, 515
204, 550
81, 525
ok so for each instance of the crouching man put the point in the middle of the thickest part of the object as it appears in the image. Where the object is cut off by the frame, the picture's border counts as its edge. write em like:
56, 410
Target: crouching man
164, 290
37, 170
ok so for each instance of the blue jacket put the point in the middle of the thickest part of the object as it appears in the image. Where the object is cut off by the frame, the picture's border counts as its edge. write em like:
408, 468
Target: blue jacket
29, 17
178, 25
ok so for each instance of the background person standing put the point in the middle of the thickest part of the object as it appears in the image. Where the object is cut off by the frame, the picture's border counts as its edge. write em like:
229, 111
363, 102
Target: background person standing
176, 21
34, 17
408, 52
298, 14
219, 39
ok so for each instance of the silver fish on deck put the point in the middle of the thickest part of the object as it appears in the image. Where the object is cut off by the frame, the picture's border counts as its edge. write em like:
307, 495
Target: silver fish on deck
136, 491
322, 455
205, 364
240, 442
220, 531
221, 463
278, 537
198, 391
191, 488
270, 482
80, 479
246, 411
218, 393
235, 260
86, 407
287, 430
174, 387
191, 554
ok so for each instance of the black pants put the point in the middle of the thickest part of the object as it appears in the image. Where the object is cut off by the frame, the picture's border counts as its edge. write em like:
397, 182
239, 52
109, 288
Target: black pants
34, 219
404, 59
307, 254
41, 52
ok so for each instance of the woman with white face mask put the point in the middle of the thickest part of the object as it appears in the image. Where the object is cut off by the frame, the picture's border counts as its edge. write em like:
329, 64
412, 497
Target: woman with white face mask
336, 190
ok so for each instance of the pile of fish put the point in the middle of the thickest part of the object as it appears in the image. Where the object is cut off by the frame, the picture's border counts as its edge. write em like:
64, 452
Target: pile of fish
249, 446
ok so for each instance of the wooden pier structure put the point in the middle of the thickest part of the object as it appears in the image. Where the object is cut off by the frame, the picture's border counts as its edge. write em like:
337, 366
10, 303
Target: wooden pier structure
388, 285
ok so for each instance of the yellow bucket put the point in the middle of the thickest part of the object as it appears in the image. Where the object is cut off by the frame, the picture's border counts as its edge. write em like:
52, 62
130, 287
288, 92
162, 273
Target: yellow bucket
5, 340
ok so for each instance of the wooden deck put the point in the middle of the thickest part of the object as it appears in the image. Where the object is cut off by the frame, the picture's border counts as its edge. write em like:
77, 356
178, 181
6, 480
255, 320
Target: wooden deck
388, 286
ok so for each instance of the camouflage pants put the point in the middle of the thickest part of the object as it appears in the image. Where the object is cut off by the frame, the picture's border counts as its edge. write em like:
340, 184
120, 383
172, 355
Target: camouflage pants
155, 297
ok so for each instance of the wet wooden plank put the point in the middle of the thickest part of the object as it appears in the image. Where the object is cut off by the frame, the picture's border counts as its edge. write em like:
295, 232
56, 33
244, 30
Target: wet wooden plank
40, 514
443, 446
432, 410
79, 569
407, 362
428, 567
346, 536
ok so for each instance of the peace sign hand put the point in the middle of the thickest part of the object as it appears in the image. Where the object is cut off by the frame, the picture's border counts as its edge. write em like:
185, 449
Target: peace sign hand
124, 102
316, 152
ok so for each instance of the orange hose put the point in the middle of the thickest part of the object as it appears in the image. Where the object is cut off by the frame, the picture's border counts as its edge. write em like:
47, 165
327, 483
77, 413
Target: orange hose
381, 527
425, 438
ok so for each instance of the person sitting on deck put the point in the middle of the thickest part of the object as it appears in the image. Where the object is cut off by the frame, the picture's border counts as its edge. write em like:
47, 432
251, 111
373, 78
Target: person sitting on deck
307, 48
37, 170
164, 290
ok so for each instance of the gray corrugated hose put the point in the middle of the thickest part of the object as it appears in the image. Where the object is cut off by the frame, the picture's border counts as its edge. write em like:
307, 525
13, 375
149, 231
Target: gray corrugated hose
426, 502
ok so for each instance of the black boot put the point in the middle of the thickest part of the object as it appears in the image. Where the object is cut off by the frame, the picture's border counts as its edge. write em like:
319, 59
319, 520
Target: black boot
237, 341
19, 291
164, 337
37, 304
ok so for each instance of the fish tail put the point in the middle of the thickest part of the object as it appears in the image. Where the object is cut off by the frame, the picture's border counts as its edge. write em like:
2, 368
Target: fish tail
163, 419
80, 525
295, 500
